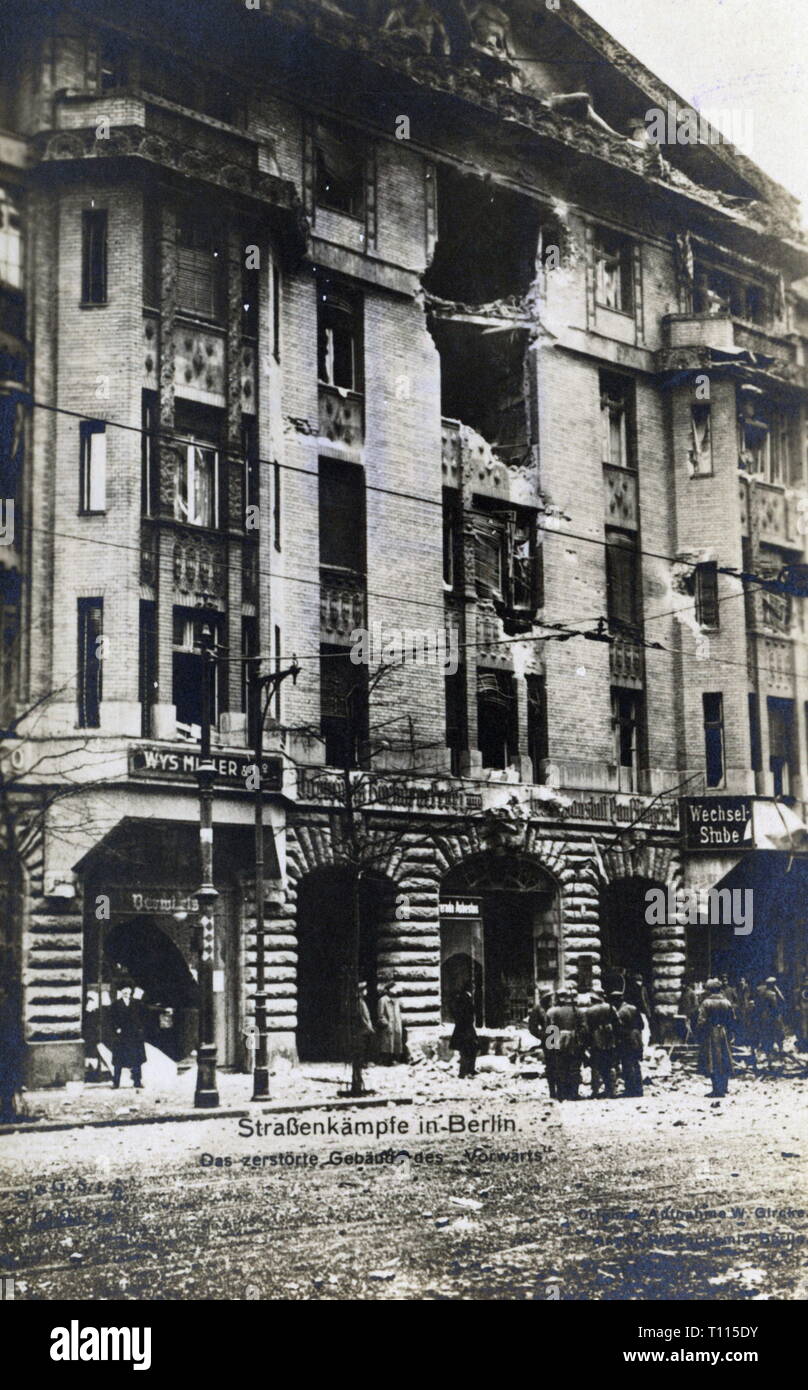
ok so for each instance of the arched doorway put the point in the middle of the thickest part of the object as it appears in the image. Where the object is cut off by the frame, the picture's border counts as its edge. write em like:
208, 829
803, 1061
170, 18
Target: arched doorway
625, 934
500, 935
138, 949
325, 935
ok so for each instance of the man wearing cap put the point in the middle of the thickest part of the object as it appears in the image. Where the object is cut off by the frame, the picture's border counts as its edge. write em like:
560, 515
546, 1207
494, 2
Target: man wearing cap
537, 1024
564, 1038
629, 1043
715, 1026
599, 1023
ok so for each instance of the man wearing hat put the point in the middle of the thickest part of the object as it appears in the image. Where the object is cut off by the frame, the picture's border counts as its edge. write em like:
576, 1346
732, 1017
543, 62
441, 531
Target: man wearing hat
629, 1043
464, 1038
564, 1038
128, 1031
768, 1029
715, 1027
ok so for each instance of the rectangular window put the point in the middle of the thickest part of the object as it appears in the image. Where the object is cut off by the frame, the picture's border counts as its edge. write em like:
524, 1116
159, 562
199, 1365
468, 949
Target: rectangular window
701, 440
149, 455
706, 594
713, 707
754, 732
490, 555
196, 485
250, 285
614, 271
188, 666
9, 646
342, 516
343, 707
93, 466
456, 735
783, 760
497, 727
623, 585
524, 567
249, 647
112, 64
201, 266
147, 664
94, 256
339, 172
276, 313
277, 700
252, 473
628, 725
537, 734
339, 337
451, 536
617, 420
90, 661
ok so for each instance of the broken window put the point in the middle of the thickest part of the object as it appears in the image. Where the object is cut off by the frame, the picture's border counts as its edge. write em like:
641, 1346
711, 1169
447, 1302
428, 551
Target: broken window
451, 536
706, 594
191, 628
614, 271
90, 661
623, 583
768, 438
717, 291
497, 729
343, 707
508, 562
339, 336
713, 710
628, 725
783, 759
488, 240
339, 171
617, 420
701, 443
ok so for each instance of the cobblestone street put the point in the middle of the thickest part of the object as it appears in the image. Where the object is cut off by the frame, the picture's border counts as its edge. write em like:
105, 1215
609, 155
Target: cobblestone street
503, 1195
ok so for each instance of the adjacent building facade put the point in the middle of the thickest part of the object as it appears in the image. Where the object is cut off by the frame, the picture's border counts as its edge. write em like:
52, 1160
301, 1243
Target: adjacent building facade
386, 329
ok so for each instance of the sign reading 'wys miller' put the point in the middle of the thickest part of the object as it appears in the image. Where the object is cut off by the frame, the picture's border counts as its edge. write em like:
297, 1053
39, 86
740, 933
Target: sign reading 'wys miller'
153, 763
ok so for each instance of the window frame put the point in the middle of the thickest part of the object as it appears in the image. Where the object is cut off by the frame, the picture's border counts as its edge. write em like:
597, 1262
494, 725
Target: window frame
186, 451
614, 247
714, 738
92, 467
356, 199
94, 257
705, 595
90, 672
346, 307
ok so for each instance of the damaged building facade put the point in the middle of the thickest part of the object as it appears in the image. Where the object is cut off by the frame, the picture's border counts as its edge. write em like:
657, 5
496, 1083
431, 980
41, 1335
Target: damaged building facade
320, 319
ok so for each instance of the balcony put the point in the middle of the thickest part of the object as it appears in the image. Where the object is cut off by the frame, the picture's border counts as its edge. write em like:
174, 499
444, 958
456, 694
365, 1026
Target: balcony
342, 605
342, 416
626, 662
689, 338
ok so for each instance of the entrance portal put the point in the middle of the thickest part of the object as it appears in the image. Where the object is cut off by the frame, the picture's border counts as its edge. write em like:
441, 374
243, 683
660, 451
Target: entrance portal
140, 951
499, 937
625, 935
325, 933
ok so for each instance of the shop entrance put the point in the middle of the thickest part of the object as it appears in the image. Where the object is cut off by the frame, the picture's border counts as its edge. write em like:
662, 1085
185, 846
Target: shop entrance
140, 951
325, 932
625, 936
499, 937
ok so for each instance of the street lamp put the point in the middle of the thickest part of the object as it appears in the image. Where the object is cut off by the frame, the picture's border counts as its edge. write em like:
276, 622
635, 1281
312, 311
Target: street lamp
206, 1096
259, 684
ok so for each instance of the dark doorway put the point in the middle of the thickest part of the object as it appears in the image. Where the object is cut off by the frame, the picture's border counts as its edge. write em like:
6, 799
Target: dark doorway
140, 951
625, 936
325, 926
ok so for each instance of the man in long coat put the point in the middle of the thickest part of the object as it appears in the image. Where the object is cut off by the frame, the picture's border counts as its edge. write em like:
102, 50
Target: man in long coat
464, 1038
767, 1019
564, 1037
128, 1032
629, 1044
716, 1026
599, 1026
390, 1027
537, 1025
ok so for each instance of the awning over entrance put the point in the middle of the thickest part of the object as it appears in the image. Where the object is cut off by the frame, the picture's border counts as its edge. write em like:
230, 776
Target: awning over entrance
775, 826
777, 943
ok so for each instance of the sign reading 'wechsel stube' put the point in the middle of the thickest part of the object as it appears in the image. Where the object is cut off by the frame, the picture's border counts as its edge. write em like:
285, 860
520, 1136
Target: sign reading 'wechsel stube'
717, 824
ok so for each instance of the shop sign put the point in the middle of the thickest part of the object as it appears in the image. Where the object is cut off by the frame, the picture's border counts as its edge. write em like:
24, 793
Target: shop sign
717, 824
154, 763
152, 901
454, 909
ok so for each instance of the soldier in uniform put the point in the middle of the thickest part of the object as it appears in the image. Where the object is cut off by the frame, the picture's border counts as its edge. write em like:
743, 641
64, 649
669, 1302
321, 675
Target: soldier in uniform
537, 1024
629, 1044
600, 1033
716, 1026
564, 1037
464, 1038
767, 1019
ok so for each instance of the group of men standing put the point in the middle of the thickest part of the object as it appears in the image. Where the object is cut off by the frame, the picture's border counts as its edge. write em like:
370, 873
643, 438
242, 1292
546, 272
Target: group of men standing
605, 1032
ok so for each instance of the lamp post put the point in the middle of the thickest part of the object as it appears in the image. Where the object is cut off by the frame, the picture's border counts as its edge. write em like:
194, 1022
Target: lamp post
259, 684
206, 1096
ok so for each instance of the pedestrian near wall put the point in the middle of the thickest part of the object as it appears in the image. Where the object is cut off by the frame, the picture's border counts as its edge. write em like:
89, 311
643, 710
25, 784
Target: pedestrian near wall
629, 1044
564, 1036
716, 1026
390, 1027
537, 1024
128, 1027
464, 1038
599, 1026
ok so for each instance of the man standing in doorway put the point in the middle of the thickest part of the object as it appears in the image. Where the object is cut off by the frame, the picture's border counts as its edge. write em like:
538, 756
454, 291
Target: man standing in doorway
464, 1038
128, 1049
391, 1029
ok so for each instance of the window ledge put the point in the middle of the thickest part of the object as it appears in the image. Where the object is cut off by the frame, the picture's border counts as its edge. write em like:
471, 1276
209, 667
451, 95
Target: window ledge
93, 304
